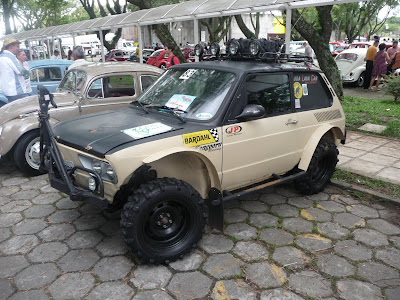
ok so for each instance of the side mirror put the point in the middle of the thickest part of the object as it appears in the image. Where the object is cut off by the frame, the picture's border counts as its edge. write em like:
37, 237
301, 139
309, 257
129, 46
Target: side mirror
251, 111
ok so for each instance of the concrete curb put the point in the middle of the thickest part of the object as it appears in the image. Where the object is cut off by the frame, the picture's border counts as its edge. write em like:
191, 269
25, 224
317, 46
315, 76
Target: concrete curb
364, 190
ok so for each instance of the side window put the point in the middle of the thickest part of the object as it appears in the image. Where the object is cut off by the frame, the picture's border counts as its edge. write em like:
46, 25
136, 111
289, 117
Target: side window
146, 81
118, 86
271, 91
33, 75
118, 54
310, 92
55, 74
47, 74
96, 89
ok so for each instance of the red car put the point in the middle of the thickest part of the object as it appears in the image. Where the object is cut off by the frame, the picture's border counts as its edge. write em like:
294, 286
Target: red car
117, 55
188, 53
158, 58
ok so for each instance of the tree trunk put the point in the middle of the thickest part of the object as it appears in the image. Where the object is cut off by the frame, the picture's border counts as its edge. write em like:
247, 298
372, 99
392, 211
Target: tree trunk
318, 39
246, 31
6, 15
165, 36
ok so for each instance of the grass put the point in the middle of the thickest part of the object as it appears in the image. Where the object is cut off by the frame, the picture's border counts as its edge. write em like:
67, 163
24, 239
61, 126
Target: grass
383, 187
382, 112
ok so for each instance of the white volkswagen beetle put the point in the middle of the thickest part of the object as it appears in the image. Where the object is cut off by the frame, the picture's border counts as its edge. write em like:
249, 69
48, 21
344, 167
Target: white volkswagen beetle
351, 65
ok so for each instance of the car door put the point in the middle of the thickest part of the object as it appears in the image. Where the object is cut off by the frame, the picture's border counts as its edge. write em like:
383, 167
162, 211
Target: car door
110, 92
253, 150
50, 77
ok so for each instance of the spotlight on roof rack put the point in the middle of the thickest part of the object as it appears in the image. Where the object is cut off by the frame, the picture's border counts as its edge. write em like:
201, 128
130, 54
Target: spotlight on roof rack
254, 47
214, 49
198, 50
233, 47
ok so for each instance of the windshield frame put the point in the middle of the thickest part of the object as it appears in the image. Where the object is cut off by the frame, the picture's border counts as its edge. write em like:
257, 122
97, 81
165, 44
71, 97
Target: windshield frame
224, 105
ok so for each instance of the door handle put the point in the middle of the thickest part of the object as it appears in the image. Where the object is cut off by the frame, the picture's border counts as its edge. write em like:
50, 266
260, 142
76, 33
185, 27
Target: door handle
292, 122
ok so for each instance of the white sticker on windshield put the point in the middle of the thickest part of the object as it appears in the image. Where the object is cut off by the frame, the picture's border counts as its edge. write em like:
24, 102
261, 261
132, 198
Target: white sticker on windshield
147, 130
180, 102
204, 116
189, 73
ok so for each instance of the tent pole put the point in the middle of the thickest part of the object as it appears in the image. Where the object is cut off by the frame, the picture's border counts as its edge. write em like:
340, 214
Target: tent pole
288, 29
103, 58
48, 47
140, 44
73, 38
196, 34
30, 50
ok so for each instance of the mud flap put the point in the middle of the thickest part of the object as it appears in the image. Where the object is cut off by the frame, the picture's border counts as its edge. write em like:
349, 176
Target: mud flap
216, 209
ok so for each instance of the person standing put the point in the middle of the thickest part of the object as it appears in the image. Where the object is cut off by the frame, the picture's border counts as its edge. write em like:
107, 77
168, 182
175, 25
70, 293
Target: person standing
21, 56
392, 53
369, 57
172, 59
380, 66
12, 82
78, 55
56, 54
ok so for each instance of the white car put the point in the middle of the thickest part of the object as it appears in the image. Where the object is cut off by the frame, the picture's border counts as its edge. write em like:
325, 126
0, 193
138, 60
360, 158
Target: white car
352, 66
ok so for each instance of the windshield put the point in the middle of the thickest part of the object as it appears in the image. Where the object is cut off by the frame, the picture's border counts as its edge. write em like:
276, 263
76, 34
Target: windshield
73, 81
347, 56
129, 44
195, 93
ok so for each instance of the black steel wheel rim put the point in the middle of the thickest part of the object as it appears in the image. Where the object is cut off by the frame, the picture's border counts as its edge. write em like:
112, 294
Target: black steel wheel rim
322, 169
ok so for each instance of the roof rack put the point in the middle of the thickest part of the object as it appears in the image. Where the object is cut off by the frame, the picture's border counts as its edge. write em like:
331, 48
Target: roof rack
270, 51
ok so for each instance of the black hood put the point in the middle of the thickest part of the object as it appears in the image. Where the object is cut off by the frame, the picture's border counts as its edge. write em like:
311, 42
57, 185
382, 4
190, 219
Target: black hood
100, 133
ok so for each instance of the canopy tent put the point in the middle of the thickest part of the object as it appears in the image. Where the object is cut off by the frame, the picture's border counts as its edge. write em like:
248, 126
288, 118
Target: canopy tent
183, 11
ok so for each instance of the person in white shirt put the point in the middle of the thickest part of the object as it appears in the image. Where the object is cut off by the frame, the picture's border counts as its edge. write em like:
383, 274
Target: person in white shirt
78, 55
56, 54
21, 56
12, 82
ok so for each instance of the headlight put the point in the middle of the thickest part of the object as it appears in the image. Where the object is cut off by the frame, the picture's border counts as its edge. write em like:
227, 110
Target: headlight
214, 49
104, 169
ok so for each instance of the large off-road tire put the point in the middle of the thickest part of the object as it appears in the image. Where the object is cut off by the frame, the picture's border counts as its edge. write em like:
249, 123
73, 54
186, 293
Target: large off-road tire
320, 170
27, 153
163, 220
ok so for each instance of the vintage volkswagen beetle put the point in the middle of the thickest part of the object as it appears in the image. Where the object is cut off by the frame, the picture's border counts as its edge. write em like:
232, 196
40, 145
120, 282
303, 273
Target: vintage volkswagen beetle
85, 89
351, 65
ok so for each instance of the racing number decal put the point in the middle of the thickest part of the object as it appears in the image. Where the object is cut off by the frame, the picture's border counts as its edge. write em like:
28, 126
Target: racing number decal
298, 90
200, 138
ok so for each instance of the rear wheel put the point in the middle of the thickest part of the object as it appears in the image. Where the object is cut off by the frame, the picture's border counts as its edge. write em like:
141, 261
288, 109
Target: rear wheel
320, 170
360, 80
163, 220
27, 153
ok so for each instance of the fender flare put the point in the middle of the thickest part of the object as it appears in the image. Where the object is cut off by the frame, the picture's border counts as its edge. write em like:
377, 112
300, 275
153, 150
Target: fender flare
313, 142
212, 172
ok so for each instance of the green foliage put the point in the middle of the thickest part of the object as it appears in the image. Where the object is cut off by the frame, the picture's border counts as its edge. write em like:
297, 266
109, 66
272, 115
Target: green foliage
392, 87
386, 112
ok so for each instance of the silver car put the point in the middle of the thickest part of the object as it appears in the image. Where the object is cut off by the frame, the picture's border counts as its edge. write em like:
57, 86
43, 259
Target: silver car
85, 89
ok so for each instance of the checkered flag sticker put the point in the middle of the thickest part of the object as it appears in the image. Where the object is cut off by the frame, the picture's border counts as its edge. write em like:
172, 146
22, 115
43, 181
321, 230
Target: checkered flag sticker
214, 133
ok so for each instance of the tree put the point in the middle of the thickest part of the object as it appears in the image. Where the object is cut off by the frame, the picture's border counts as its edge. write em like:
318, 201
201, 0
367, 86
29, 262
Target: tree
161, 30
317, 32
246, 31
7, 6
217, 27
90, 8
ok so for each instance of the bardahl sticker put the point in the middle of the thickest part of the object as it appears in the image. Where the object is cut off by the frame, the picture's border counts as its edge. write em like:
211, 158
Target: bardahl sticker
147, 130
200, 138
298, 90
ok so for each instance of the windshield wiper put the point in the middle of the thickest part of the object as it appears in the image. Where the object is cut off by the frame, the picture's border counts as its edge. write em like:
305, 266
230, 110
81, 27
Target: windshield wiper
176, 112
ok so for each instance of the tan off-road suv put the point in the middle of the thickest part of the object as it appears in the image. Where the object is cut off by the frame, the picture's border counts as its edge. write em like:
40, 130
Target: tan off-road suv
203, 134
86, 89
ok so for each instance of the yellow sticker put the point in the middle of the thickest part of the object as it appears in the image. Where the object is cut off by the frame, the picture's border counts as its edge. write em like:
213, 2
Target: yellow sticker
298, 90
200, 138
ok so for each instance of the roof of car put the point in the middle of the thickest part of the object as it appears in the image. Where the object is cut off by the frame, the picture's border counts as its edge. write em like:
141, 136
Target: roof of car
355, 50
49, 62
247, 66
110, 67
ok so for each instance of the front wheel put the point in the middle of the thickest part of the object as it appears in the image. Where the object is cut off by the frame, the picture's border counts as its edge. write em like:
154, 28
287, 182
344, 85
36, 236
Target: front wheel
27, 153
320, 170
163, 220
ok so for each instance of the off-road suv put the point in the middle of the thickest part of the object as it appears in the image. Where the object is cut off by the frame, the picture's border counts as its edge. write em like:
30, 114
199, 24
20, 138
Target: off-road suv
203, 134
